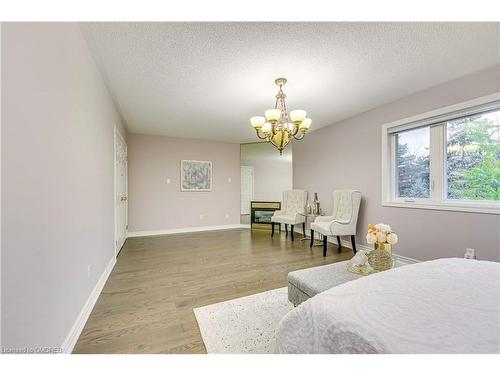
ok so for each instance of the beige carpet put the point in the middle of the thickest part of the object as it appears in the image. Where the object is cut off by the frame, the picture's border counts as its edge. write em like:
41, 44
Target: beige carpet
243, 325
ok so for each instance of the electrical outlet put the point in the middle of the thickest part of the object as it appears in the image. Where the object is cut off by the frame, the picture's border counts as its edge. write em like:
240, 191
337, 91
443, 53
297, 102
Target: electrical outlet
168, 181
470, 253
201, 216
89, 268
227, 216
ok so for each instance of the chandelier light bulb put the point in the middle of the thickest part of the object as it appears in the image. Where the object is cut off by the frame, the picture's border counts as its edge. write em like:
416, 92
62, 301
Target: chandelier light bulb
273, 114
305, 124
298, 115
257, 121
266, 128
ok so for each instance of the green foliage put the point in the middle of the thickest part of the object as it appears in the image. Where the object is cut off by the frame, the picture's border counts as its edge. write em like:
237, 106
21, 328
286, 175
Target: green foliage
473, 159
473, 162
413, 173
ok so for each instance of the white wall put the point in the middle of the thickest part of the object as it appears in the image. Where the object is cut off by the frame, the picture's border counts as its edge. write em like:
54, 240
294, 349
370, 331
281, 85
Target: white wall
155, 205
347, 155
57, 181
272, 173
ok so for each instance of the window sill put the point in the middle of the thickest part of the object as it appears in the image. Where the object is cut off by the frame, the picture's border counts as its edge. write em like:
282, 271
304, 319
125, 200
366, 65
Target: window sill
488, 208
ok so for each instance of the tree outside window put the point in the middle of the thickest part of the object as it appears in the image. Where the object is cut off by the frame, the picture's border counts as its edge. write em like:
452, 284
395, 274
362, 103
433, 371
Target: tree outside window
473, 157
412, 163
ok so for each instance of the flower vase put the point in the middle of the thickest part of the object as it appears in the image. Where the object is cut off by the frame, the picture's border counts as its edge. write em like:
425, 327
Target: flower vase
380, 259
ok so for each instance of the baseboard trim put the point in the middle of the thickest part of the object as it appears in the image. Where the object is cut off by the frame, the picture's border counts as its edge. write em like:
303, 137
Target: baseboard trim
73, 335
160, 232
406, 259
346, 243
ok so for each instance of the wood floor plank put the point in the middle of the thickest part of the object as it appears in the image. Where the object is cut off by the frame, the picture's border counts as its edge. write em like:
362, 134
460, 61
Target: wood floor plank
147, 303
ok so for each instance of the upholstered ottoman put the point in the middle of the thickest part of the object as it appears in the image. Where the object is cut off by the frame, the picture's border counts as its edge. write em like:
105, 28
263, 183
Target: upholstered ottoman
306, 283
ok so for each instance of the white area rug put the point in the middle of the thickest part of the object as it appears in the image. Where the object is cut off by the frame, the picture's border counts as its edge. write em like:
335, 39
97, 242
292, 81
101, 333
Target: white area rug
243, 325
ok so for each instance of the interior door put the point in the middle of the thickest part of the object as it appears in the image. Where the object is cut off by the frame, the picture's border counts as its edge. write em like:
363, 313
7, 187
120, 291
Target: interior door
246, 189
121, 192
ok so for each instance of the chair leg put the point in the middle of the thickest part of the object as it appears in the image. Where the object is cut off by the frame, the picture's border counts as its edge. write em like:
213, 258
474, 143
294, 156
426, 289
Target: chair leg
291, 230
286, 230
338, 241
272, 229
304, 229
353, 242
312, 238
324, 245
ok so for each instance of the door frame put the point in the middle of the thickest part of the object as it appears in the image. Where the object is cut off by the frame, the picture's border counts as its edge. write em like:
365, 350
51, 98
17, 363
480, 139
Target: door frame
253, 185
117, 136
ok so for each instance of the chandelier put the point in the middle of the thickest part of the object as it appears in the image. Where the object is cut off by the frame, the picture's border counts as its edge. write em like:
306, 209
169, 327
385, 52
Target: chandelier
279, 127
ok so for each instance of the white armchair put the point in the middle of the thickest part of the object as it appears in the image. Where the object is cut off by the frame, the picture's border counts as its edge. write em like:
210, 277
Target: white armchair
293, 211
343, 220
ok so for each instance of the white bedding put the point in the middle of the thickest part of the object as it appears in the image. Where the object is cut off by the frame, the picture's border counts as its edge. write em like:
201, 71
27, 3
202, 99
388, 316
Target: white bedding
441, 306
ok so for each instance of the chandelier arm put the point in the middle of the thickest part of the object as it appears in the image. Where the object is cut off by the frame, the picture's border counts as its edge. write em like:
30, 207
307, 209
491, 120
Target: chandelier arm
259, 136
299, 138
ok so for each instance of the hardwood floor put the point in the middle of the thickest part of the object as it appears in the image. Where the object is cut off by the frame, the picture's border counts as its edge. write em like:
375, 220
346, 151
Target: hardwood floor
147, 303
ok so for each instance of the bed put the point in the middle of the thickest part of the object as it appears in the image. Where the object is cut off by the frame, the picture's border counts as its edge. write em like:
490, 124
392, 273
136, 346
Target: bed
440, 306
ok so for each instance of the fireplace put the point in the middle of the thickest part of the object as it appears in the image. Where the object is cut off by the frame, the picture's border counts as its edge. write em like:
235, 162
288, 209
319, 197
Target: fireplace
261, 213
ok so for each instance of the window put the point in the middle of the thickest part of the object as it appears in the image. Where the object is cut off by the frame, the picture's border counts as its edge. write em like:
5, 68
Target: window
473, 157
412, 163
446, 159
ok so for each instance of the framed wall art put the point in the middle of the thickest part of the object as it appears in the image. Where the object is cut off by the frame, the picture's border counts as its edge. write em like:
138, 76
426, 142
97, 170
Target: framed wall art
196, 175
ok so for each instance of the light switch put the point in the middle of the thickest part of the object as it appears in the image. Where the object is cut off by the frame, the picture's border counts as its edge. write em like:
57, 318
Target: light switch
168, 180
227, 216
229, 179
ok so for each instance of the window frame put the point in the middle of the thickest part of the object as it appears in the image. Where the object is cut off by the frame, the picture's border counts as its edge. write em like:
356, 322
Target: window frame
436, 120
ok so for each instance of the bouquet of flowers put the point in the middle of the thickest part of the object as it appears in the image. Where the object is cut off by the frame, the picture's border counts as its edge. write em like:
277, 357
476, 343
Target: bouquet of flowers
381, 233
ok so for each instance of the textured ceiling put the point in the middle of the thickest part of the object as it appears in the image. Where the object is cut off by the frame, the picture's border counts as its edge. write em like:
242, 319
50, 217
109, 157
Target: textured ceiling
204, 80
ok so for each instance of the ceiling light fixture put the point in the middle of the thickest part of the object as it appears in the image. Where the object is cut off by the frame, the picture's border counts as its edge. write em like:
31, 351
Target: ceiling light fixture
278, 126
